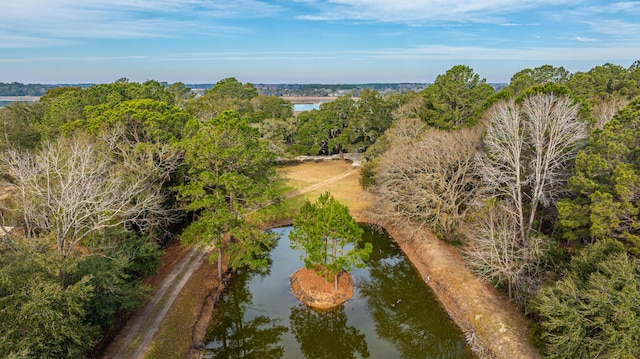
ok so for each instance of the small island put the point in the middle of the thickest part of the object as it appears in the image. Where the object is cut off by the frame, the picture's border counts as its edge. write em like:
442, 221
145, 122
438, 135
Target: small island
331, 239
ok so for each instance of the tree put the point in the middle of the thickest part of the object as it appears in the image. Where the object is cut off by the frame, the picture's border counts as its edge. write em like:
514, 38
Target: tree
427, 176
371, 118
324, 126
38, 317
594, 310
527, 78
455, 97
228, 173
605, 186
329, 236
270, 107
71, 189
529, 147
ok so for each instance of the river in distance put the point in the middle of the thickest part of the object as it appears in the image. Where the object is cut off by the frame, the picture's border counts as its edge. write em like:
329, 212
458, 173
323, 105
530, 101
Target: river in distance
393, 313
305, 106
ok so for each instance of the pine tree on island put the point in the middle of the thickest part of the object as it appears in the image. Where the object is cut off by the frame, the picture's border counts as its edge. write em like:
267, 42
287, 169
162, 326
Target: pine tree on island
331, 239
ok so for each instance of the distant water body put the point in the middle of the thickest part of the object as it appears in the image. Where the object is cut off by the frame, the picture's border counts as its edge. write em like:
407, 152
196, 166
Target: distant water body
306, 106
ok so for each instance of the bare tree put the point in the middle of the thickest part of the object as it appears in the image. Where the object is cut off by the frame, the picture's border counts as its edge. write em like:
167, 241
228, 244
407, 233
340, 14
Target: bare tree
153, 162
71, 189
428, 177
496, 257
21, 169
604, 111
529, 148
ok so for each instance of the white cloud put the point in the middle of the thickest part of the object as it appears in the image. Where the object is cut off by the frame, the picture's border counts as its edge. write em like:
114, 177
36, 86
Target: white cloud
125, 18
616, 27
422, 10
465, 53
585, 39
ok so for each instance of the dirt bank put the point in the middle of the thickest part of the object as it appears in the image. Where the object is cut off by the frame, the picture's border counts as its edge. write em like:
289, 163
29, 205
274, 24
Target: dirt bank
491, 324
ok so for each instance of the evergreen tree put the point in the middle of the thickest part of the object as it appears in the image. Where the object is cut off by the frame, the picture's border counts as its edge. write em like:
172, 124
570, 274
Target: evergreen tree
330, 237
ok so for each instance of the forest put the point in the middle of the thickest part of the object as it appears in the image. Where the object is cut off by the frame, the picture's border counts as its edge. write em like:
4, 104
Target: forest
537, 184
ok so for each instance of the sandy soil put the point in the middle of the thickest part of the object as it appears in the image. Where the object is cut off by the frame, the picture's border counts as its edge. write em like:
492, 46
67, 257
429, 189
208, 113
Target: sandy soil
135, 338
313, 289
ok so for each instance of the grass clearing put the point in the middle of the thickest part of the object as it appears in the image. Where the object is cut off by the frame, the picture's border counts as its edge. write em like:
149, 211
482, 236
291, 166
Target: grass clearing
346, 190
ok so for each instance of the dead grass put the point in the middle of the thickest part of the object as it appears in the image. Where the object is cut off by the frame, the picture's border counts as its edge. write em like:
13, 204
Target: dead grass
347, 190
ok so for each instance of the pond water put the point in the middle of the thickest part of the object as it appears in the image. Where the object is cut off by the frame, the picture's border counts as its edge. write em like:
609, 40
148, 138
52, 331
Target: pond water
393, 313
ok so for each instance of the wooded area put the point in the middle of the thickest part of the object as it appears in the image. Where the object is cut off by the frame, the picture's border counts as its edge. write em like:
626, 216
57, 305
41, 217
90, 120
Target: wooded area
537, 184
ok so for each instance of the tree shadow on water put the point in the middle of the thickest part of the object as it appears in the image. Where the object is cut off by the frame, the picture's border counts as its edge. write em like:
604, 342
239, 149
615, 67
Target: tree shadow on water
233, 336
405, 313
325, 334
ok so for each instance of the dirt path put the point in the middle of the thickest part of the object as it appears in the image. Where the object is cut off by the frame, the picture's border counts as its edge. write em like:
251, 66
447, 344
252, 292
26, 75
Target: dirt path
320, 184
135, 338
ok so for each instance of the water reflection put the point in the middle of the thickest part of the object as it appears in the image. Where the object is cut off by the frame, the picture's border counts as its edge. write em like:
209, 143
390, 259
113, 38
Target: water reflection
401, 315
232, 335
325, 334
393, 314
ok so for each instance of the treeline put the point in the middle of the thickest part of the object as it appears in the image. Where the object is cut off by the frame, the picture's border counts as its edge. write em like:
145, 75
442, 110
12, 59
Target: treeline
537, 184
322, 90
20, 89
93, 180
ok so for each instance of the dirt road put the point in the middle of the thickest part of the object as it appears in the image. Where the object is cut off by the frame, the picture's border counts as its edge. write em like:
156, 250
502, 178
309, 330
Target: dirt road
135, 338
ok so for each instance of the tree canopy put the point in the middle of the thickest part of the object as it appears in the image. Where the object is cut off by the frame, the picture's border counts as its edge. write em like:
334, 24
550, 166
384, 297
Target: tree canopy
330, 237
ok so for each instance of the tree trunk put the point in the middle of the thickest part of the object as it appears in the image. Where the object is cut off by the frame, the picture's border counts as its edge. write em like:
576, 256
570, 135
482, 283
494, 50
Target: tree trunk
220, 263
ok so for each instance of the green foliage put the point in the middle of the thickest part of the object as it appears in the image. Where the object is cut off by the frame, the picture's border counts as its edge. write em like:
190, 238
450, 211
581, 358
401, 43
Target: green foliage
319, 127
39, 318
144, 120
18, 125
594, 310
230, 87
606, 184
603, 82
330, 237
228, 173
270, 107
454, 99
541, 75
371, 118
116, 262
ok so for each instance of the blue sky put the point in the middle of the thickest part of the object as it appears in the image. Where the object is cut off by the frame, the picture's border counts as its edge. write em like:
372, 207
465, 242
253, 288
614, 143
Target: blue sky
308, 41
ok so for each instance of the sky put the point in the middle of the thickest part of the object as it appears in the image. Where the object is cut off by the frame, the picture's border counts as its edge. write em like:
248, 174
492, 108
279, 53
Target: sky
308, 41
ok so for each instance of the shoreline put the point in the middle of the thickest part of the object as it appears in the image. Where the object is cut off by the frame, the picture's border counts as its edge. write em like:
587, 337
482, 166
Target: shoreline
20, 98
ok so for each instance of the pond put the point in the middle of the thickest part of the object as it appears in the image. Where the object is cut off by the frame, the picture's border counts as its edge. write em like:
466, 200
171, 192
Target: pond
393, 313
